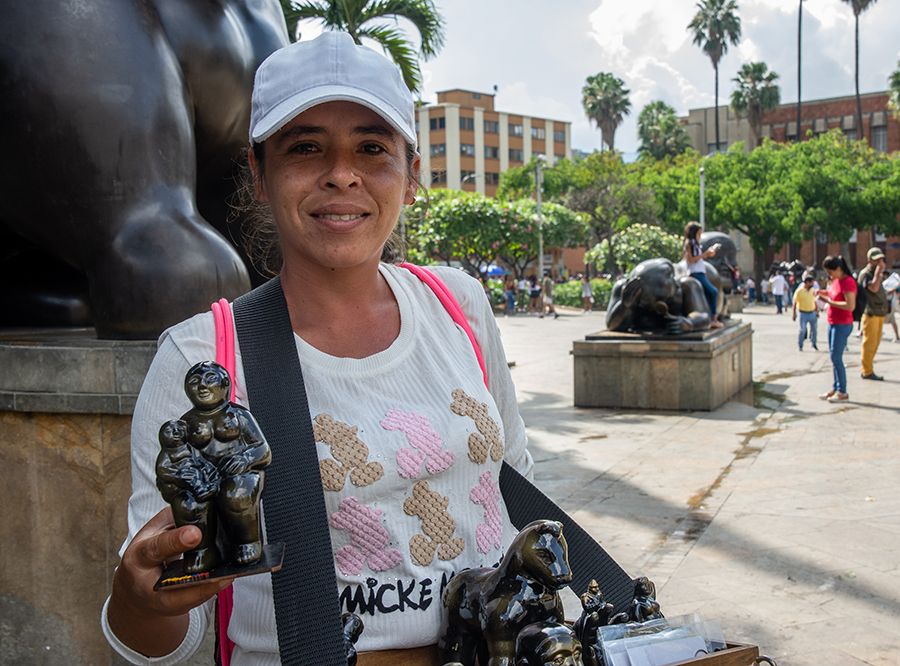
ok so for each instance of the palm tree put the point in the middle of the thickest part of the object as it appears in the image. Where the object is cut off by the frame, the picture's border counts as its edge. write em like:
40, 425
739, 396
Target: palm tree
715, 26
605, 101
755, 94
799, 60
370, 19
894, 99
859, 6
660, 132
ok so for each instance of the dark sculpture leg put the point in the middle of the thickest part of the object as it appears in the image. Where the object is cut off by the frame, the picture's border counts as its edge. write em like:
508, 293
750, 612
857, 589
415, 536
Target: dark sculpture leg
238, 507
188, 511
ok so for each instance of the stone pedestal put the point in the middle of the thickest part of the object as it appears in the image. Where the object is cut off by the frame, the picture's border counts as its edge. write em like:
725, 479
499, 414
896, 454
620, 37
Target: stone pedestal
735, 303
699, 371
65, 419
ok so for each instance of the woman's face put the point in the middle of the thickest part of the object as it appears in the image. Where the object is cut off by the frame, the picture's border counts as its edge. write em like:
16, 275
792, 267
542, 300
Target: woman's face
336, 178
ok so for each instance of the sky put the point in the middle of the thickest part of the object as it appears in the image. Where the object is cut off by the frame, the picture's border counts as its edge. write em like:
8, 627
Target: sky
539, 52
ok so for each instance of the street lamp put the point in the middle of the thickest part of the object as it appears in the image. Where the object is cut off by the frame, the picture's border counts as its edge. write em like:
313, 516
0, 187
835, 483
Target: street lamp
538, 186
702, 198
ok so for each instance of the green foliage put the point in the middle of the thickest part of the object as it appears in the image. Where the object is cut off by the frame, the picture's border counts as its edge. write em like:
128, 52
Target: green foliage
634, 245
660, 132
716, 25
755, 94
569, 293
377, 20
605, 101
675, 184
894, 99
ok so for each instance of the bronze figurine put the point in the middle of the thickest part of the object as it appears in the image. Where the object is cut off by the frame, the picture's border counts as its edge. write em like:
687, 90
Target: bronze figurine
596, 612
485, 609
351, 628
652, 298
211, 470
548, 644
644, 606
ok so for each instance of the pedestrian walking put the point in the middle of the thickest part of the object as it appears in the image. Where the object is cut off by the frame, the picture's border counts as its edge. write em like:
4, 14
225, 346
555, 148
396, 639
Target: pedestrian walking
751, 290
872, 322
534, 296
841, 299
764, 290
805, 304
509, 291
547, 296
779, 286
587, 294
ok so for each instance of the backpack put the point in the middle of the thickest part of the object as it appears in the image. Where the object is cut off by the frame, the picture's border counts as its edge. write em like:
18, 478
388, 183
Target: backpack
862, 299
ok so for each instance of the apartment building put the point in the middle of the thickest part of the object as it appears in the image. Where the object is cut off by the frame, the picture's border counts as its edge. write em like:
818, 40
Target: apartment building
880, 128
466, 144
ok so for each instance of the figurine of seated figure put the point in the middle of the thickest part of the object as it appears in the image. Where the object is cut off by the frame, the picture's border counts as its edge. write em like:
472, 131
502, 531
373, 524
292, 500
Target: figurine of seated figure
644, 606
548, 644
228, 436
596, 613
189, 483
484, 609
652, 298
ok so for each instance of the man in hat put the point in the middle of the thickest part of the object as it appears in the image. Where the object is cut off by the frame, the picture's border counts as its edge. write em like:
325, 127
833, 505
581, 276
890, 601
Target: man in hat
805, 302
870, 278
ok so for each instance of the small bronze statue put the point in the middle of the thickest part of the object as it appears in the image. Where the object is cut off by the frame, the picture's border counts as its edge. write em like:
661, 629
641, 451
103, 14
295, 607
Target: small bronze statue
652, 298
351, 627
485, 609
596, 613
211, 470
548, 644
644, 606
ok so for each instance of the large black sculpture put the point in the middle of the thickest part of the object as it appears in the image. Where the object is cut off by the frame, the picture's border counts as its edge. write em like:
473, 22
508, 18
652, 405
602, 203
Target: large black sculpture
652, 298
121, 122
725, 258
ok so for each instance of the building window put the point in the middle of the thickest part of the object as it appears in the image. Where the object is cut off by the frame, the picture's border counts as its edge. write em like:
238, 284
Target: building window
438, 149
466, 123
476, 95
516, 129
438, 177
559, 136
491, 178
711, 148
491, 127
437, 123
492, 152
466, 176
538, 133
516, 155
850, 134
467, 149
557, 157
879, 139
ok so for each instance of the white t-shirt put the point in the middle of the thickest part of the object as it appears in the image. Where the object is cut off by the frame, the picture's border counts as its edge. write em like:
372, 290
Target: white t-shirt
412, 407
779, 284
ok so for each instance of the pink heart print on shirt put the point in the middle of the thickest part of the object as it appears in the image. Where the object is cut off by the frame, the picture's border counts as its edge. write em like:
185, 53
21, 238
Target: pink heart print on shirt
427, 445
368, 539
487, 495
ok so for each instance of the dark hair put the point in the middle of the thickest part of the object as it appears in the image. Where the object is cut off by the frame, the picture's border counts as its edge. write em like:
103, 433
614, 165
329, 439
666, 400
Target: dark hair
691, 229
259, 235
833, 262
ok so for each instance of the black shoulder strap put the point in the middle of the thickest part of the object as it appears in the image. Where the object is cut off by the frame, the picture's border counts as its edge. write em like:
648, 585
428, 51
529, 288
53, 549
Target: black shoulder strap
307, 612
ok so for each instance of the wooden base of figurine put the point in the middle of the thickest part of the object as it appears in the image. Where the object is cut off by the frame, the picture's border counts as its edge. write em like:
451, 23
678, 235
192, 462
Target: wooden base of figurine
173, 575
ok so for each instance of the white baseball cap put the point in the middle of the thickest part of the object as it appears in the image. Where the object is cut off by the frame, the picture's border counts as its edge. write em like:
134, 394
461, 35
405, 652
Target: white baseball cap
329, 68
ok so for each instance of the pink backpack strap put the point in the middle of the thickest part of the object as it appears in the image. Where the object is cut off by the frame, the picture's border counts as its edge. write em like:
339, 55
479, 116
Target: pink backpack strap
451, 305
221, 310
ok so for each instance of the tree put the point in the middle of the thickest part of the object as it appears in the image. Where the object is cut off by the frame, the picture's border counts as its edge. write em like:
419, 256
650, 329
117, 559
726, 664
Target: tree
660, 132
606, 103
894, 99
859, 6
675, 184
755, 94
636, 244
372, 19
715, 26
518, 240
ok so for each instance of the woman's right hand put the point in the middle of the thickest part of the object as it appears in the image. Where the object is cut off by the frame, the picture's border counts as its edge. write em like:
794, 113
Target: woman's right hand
154, 622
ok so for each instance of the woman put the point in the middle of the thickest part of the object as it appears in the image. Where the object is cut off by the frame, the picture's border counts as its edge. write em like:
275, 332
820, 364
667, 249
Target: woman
841, 299
509, 290
534, 295
693, 256
587, 294
333, 160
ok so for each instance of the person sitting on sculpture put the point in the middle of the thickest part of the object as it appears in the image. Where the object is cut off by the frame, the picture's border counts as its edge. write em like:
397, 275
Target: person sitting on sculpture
694, 257
189, 483
652, 299
228, 436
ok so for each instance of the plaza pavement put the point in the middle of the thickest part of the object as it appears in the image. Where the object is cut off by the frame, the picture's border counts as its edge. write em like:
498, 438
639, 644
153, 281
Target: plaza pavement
778, 516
